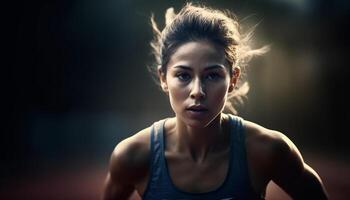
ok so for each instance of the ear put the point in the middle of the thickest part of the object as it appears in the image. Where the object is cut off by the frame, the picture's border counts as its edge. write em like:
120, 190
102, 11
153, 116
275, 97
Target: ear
162, 79
236, 71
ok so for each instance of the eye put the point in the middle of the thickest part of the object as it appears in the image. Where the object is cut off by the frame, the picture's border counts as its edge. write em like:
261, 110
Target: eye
213, 76
183, 76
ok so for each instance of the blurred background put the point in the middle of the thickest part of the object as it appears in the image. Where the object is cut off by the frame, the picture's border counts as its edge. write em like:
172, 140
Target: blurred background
76, 83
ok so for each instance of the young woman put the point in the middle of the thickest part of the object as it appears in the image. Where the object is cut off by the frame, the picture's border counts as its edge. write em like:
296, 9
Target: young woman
203, 153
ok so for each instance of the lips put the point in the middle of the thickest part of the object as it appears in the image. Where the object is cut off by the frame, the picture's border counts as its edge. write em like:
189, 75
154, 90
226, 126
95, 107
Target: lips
197, 111
197, 108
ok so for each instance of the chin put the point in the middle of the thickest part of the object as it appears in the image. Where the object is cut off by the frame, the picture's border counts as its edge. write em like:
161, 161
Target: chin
198, 122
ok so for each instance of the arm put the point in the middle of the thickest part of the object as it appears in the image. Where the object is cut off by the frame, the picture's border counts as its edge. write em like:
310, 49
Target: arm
128, 166
293, 175
116, 190
117, 184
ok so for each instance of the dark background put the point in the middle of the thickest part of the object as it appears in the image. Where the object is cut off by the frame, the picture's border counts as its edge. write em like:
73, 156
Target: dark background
76, 83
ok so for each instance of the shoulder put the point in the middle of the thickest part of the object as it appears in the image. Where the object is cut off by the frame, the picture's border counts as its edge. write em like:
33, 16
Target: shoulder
272, 151
273, 156
130, 158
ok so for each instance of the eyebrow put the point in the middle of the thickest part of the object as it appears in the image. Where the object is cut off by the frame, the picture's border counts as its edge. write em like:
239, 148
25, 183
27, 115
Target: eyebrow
210, 67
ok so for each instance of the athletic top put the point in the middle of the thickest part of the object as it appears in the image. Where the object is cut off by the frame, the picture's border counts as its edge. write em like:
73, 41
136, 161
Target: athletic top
236, 185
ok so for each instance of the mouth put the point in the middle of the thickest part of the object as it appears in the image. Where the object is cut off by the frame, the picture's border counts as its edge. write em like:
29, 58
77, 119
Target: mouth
197, 108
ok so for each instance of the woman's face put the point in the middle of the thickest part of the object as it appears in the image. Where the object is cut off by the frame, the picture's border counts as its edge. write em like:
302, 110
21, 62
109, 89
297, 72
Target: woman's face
198, 81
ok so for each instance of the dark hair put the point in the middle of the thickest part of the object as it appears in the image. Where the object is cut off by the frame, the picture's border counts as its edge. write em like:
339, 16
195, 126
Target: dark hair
198, 22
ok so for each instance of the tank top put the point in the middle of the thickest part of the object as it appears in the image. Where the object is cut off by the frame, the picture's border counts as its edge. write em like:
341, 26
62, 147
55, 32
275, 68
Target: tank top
236, 185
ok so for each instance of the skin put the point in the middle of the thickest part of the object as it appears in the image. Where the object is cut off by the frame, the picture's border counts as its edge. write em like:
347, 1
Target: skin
197, 73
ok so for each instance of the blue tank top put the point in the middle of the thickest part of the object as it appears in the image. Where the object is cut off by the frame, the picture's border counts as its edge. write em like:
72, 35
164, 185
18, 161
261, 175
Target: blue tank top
236, 185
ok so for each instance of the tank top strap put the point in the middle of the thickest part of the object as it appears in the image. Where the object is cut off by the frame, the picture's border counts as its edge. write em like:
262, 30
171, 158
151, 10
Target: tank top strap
237, 139
156, 152
157, 145
239, 166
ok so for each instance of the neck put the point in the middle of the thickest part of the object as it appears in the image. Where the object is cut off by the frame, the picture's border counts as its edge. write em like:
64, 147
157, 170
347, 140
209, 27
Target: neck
198, 142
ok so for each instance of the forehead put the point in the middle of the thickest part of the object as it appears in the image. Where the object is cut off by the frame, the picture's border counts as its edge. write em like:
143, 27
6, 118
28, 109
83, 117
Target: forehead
197, 54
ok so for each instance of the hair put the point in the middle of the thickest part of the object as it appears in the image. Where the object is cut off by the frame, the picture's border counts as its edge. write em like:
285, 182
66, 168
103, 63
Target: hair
198, 22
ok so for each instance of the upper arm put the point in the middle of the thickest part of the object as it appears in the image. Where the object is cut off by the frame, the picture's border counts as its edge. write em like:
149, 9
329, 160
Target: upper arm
118, 185
292, 174
128, 165
116, 190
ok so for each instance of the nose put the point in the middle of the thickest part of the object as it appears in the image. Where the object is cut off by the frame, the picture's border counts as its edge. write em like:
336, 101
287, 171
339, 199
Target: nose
197, 91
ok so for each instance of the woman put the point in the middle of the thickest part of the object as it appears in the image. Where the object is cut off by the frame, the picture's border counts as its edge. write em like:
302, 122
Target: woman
203, 153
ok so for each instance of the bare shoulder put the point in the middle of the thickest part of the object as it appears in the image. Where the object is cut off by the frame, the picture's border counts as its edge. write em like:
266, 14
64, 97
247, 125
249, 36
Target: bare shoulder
271, 149
130, 158
128, 166
271, 139
273, 156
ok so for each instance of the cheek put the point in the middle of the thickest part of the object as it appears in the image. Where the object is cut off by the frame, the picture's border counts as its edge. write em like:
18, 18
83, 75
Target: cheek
219, 93
177, 94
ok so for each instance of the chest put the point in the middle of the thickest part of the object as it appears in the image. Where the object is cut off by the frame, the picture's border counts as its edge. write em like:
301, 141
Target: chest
192, 177
198, 177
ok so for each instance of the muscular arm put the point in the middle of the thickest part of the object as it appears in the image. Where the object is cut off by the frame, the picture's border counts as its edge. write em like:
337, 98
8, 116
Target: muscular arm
118, 185
293, 175
128, 166
116, 190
